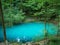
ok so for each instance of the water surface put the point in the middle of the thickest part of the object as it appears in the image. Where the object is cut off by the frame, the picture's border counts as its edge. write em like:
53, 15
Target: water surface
26, 31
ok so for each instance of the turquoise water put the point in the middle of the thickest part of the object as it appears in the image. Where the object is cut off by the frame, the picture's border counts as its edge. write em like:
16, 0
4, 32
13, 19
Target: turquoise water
26, 31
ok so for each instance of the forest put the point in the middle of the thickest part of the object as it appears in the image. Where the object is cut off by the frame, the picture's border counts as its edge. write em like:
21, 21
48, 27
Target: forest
21, 11
16, 12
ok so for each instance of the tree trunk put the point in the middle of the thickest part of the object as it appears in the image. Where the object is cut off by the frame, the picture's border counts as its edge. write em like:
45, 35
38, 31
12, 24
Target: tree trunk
3, 25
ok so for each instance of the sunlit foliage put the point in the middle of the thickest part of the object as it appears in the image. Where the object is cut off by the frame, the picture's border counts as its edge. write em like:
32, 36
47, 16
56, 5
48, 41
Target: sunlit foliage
15, 11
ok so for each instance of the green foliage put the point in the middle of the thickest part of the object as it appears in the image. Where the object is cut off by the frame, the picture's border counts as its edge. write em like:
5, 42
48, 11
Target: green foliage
16, 11
13, 16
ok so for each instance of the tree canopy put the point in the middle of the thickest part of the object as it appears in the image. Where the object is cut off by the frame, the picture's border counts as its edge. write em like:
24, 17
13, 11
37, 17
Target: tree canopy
16, 11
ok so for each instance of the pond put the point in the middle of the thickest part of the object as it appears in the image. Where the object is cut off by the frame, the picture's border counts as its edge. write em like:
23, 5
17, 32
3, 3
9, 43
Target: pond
27, 31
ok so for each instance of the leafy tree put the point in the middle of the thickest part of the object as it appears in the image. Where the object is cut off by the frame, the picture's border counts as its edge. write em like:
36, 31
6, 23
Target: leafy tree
15, 11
